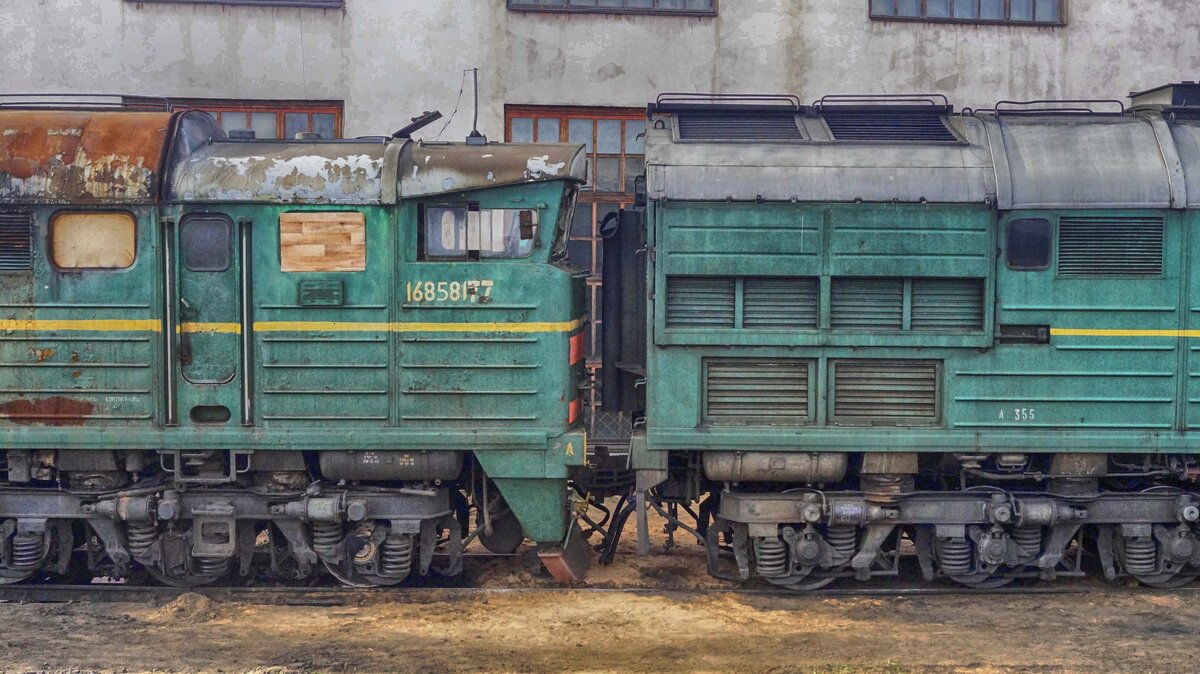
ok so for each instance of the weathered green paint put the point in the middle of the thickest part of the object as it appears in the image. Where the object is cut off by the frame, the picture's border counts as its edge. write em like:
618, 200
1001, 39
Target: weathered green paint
1078, 393
540, 506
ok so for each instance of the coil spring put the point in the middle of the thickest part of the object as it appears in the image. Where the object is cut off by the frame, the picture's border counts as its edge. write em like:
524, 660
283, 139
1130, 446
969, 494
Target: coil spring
142, 536
771, 554
28, 549
1140, 556
1028, 540
327, 536
396, 556
843, 540
212, 567
954, 556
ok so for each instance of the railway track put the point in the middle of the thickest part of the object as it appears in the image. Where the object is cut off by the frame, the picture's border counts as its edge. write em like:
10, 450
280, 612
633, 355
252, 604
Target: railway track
342, 596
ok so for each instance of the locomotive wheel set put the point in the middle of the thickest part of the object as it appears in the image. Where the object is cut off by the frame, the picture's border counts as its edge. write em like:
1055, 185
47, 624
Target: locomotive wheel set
866, 337
223, 356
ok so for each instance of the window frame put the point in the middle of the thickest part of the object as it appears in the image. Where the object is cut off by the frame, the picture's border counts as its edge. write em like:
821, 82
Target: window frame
185, 224
1063, 7
468, 255
279, 107
50, 233
1051, 247
526, 6
306, 4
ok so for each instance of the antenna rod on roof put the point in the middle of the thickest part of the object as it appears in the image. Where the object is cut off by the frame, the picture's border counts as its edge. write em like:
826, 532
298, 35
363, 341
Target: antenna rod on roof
419, 122
476, 138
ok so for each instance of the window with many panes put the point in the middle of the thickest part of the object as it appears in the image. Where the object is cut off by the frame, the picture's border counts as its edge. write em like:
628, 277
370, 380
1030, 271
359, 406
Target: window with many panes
615, 142
688, 7
268, 119
1042, 12
319, 4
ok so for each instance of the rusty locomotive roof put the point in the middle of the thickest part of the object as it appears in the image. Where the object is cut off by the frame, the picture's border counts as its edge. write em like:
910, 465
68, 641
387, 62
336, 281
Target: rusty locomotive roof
55, 156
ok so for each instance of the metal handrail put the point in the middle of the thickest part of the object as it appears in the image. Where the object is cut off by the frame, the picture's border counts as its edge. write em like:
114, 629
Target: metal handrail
77, 101
1074, 106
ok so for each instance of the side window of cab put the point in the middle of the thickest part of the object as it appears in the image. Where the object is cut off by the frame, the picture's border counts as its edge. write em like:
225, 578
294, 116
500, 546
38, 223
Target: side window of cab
468, 232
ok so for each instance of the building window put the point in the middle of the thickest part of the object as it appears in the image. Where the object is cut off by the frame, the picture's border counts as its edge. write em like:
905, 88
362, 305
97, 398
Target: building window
268, 119
318, 4
1017, 12
615, 142
685, 7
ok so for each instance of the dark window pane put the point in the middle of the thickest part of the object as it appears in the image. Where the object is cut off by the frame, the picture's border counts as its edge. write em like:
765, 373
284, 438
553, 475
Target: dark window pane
206, 244
608, 174
635, 139
882, 7
908, 7
1047, 10
1028, 244
547, 131
937, 9
634, 167
294, 123
991, 9
579, 255
1021, 10
522, 130
966, 9
608, 136
323, 123
581, 222
264, 124
580, 131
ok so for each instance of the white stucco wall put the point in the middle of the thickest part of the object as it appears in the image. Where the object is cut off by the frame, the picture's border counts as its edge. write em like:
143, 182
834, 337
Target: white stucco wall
391, 59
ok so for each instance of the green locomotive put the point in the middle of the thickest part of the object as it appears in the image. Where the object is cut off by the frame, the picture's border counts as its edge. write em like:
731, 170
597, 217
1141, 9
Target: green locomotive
220, 354
873, 324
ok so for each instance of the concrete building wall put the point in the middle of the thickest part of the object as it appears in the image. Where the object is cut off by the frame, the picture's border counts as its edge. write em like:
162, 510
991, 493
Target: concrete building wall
390, 59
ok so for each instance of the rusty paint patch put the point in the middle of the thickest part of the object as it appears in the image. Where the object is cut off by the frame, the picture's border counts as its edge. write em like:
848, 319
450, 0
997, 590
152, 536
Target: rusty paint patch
52, 411
81, 156
41, 354
436, 168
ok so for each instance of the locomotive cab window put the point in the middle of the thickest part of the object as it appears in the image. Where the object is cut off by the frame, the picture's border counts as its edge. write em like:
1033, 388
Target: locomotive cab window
95, 240
1028, 243
206, 242
467, 233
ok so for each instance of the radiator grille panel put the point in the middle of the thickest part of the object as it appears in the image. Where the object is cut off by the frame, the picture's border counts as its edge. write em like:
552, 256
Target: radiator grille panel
757, 126
867, 304
756, 391
947, 304
886, 392
783, 302
1110, 246
16, 242
700, 302
878, 126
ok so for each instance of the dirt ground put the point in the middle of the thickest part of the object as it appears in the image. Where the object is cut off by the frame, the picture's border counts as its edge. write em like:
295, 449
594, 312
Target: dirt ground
542, 629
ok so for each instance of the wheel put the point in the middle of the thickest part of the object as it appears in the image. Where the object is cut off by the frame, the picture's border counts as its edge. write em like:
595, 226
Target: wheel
1169, 581
507, 534
983, 581
354, 578
805, 584
183, 581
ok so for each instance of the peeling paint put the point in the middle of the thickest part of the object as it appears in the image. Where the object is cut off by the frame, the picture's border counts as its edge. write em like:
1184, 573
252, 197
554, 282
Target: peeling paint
538, 166
294, 173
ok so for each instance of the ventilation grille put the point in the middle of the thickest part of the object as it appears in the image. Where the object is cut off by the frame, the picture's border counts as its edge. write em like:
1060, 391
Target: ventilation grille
756, 391
867, 304
700, 302
888, 126
886, 392
743, 126
16, 242
1110, 246
780, 302
947, 304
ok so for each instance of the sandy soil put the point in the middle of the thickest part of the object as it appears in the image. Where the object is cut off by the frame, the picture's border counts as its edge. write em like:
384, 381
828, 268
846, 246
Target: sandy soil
1108, 629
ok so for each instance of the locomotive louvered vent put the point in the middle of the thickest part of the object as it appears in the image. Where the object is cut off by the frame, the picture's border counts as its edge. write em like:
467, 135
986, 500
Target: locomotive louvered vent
867, 304
947, 304
743, 126
1110, 246
769, 302
16, 242
886, 391
756, 391
888, 126
700, 301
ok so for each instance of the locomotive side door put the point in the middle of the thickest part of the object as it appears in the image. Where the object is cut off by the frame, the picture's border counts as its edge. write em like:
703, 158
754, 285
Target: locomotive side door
208, 325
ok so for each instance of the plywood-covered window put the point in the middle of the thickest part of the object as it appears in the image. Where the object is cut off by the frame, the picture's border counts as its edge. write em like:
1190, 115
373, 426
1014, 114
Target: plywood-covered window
322, 241
93, 240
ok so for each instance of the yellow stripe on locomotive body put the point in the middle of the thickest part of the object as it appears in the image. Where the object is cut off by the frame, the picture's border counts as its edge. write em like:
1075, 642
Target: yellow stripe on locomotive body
1095, 332
114, 325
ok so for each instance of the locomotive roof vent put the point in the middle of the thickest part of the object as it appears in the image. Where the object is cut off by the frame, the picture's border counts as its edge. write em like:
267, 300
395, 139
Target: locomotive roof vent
1176, 95
887, 118
733, 117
